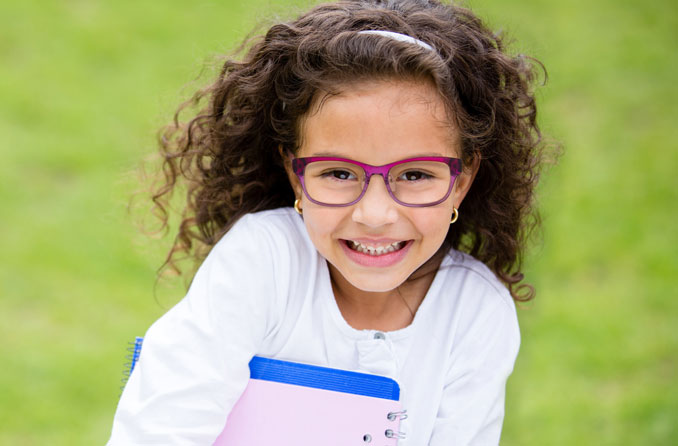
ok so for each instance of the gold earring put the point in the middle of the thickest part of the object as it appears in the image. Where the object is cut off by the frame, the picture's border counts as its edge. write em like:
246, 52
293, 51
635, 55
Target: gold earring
296, 206
455, 215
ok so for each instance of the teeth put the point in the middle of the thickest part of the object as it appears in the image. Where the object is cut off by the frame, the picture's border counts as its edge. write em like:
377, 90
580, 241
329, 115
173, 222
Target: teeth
376, 251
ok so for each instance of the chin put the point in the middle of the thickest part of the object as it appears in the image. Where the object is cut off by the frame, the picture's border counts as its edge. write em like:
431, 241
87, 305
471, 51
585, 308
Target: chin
372, 283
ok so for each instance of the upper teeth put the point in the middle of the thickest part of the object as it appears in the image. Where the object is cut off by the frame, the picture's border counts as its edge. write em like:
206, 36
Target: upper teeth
375, 250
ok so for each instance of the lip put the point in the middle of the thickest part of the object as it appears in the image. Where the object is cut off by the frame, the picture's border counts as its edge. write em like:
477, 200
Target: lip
380, 261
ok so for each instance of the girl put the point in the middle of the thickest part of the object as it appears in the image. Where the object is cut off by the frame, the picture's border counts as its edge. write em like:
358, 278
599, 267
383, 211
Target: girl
326, 177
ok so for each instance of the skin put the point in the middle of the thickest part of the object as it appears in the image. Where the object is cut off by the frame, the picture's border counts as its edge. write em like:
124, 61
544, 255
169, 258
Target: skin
377, 123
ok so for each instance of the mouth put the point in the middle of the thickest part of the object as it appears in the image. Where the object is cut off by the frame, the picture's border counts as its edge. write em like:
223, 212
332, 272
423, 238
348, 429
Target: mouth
375, 250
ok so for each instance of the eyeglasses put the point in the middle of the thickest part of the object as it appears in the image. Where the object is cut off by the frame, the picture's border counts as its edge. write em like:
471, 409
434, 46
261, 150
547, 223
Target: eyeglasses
412, 182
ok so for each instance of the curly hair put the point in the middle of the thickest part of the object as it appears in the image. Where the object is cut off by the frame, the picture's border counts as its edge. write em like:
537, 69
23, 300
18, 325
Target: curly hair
228, 152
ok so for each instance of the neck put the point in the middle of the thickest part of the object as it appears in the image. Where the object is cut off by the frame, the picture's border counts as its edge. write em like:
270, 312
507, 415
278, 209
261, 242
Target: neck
383, 311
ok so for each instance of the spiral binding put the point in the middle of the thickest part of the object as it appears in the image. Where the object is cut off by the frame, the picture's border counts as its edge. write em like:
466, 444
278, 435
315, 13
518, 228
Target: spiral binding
390, 433
391, 416
132, 357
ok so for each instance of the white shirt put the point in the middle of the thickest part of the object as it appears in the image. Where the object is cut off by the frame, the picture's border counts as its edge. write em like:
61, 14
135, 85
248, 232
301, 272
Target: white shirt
264, 290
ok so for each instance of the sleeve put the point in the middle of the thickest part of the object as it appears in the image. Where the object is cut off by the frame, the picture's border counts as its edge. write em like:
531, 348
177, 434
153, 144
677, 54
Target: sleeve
471, 411
194, 361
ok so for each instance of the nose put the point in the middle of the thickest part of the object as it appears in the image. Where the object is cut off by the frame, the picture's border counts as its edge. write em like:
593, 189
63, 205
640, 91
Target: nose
376, 208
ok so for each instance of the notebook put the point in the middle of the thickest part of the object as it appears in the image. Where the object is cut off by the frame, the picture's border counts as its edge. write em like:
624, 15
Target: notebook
293, 404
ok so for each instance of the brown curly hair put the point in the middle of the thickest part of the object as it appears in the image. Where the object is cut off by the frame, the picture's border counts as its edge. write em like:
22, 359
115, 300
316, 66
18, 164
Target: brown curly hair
228, 154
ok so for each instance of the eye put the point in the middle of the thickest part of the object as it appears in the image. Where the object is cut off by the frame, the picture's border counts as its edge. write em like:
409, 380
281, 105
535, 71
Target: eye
414, 175
339, 174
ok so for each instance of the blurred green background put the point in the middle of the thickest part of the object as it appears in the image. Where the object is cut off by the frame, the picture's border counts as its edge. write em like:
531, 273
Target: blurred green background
85, 85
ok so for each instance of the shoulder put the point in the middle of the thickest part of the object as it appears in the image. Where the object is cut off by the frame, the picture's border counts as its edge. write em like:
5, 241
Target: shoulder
471, 274
280, 218
276, 232
473, 304
278, 222
271, 247
268, 248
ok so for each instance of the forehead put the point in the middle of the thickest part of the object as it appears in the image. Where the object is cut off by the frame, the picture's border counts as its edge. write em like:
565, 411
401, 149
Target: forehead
379, 121
401, 93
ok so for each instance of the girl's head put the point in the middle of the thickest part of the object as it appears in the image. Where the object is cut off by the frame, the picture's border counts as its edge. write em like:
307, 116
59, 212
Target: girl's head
397, 130
321, 85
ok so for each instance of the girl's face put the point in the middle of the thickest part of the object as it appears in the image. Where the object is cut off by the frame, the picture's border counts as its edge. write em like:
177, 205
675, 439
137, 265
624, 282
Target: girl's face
379, 123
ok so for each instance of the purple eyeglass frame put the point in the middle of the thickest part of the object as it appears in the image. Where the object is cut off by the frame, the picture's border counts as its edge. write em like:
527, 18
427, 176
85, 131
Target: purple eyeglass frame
299, 165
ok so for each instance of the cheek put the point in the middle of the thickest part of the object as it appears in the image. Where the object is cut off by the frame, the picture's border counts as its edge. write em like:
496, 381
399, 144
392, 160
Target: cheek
321, 223
433, 224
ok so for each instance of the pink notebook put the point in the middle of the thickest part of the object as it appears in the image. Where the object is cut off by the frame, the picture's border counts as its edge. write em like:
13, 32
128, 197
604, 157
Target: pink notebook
293, 404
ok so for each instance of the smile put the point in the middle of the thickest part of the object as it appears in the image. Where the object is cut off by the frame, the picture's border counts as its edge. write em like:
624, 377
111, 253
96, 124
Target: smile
375, 250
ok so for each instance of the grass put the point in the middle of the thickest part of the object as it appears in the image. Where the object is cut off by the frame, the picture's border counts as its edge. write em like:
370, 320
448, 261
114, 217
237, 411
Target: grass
85, 86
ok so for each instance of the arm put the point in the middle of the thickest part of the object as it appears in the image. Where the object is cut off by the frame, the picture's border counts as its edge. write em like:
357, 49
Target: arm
472, 406
194, 361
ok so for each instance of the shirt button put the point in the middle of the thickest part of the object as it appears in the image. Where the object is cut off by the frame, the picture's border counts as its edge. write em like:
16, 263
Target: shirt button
379, 335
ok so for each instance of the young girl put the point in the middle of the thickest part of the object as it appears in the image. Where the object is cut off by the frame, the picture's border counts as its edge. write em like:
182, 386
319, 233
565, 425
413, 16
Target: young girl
363, 182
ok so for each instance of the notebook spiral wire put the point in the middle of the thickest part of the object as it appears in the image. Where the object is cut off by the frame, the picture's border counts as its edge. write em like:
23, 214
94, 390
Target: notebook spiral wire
391, 416
134, 349
400, 414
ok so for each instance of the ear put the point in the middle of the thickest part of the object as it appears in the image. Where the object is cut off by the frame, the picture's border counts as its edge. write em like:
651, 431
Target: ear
463, 182
291, 176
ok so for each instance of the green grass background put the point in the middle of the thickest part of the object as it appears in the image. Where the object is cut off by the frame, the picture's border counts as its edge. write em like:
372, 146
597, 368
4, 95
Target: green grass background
85, 84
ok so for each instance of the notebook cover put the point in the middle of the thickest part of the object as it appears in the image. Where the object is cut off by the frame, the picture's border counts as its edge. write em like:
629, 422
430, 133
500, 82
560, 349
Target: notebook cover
292, 404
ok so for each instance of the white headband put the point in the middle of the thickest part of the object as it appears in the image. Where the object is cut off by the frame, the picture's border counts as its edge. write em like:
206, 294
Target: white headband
400, 37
